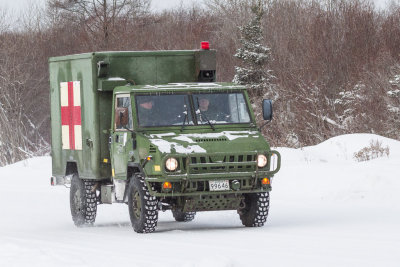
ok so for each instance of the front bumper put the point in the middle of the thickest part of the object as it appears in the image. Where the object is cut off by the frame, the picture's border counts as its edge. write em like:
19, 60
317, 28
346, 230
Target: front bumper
195, 183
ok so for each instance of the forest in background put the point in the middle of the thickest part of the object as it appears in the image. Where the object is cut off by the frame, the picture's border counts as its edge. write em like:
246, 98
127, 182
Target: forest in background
335, 63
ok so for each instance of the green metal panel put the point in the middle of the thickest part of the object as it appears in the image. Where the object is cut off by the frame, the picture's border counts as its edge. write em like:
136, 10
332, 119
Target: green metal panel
88, 159
105, 85
58, 167
172, 69
151, 67
105, 107
137, 70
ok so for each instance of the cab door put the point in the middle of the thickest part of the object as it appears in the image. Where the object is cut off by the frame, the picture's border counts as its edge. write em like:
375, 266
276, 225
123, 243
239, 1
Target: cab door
121, 138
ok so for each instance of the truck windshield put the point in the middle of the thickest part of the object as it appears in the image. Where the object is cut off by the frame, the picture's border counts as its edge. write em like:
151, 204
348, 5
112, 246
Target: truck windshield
163, 110
213, 108
221, 108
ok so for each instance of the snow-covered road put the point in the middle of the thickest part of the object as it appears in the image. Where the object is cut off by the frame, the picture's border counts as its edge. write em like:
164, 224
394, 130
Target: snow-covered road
326, 210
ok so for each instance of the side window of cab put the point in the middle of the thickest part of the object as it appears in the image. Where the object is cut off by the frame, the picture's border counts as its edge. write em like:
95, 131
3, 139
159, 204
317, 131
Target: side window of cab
123, 113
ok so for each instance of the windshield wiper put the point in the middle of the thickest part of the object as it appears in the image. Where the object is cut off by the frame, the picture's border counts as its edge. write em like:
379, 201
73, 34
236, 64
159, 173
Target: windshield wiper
186, 116
198, 111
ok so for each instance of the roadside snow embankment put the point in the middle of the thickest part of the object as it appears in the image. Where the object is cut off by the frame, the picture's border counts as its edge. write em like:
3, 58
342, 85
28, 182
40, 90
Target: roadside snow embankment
331, 171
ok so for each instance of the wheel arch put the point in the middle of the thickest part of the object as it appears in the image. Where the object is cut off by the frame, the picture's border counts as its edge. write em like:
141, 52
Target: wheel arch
71, 168
132, 169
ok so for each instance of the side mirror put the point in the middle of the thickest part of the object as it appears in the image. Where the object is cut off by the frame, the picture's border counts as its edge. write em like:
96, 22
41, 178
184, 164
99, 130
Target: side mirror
267, 109
121, 117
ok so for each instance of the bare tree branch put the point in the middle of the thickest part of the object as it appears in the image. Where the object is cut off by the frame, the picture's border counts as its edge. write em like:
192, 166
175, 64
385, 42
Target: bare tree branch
100, 16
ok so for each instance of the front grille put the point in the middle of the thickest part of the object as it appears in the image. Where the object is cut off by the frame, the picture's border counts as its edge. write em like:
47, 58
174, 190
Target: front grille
222, 163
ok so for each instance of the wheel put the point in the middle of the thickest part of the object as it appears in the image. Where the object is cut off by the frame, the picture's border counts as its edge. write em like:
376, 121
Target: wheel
83, 201
142, 206
255, 211
183, 216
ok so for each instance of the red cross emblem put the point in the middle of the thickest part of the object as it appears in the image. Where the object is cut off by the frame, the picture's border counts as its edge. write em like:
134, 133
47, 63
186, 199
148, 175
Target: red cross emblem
71, 124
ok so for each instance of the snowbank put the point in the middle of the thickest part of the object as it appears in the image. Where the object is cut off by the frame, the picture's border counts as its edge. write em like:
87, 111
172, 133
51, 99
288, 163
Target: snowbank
329, 171
327, 209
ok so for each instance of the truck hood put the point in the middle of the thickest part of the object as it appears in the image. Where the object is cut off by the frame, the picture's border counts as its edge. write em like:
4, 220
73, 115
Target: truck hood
225, 141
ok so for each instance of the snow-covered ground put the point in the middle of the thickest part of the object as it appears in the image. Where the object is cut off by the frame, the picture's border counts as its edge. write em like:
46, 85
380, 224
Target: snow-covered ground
326, 210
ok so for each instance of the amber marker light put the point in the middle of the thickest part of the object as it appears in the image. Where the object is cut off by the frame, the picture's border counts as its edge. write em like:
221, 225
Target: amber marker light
148, 158
167, 185
265, 181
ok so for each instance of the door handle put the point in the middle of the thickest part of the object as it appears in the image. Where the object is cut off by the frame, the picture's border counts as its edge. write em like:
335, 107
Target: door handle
89, 142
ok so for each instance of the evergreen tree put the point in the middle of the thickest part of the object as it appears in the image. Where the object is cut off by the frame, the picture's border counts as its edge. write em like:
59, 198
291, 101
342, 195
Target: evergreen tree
255, 57
393, 105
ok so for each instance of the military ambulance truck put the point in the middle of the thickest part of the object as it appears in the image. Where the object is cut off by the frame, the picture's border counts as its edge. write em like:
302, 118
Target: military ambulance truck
153, 130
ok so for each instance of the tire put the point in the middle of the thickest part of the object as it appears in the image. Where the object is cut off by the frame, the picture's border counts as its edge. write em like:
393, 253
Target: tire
142, 206
83, 201
183, 216
255, 211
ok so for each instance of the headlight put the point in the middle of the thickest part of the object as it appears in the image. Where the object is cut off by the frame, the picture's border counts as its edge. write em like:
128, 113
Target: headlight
171, 164
261, 161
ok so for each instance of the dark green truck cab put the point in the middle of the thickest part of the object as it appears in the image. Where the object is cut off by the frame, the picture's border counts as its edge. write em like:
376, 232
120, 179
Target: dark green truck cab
155, 131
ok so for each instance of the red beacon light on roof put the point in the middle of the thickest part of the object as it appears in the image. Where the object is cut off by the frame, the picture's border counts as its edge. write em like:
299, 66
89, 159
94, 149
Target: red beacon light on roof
205, 45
